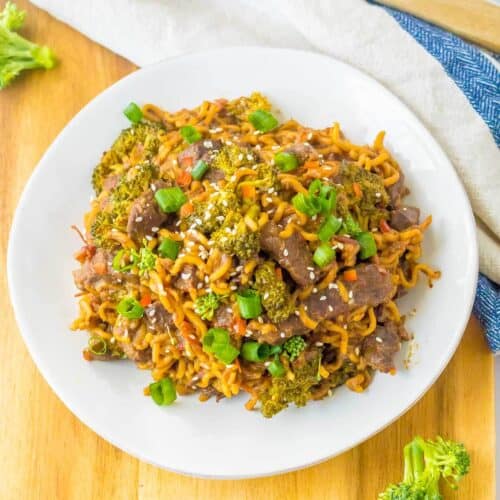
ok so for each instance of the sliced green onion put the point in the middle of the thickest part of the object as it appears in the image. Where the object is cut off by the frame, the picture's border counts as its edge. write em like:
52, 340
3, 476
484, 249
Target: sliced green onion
249, 304
275, 349
262, 120
97, 346
366, 241
199, 170
133, 112
254, 351
163, 392
117, 262
170, 199
215, 337
323, 255
329, 227
226, 353
315, 188
306, 204
169, 249
276, 368
286, 162
129, 308
190, 134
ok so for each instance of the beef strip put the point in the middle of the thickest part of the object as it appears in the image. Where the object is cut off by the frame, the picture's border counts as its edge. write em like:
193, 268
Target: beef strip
145, 216
97, 272
158, 319
187, 279
397, 191
379, 348
404, 217
302, 151
292, 253
372, 287
285, 329
224, 317
202, 150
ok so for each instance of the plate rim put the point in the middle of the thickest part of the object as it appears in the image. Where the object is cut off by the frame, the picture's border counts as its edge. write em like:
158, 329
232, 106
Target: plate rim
15, 289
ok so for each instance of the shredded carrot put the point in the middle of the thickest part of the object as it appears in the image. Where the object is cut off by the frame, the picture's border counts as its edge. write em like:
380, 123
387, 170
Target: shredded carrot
186, 209
187, 161
145, 300
100, 267
311, 164
384, 227
184, 178
86, 355
357, 190
279, 273
248, 191
350, 275
240, 325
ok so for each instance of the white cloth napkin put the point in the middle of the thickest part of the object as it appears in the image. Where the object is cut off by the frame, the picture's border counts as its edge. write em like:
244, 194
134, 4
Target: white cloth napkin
363, 35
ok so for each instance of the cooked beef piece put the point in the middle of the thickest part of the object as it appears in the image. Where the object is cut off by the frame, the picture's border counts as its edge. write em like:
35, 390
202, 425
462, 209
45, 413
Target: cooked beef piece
187, 279
310, 353
372, 287
224, 317
349, 250
145, 216
397, 191
379, 348
398, 329
404, 217
330, 354
201, 150
214, 175
302, 151
130, 329
158, 318
97, 272
139, 356
289, 327
292, 253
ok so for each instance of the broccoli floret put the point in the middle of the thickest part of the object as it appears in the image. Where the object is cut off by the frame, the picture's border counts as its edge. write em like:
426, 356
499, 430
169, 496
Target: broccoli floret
294, 346
206, 305
145, 259
234, 238
208, 216
274, 293
425, 462
144, 133
100, 228
284, 391
243, 106
231, 158
17, 53
134, 182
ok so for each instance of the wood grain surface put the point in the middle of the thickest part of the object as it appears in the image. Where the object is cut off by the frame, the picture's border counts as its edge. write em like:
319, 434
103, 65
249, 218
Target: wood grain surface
474, 20
46, 453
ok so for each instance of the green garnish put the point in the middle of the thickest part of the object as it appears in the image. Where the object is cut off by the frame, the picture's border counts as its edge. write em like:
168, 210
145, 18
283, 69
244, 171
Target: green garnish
199, 170
254, 351
163, 392
368, 247
170, 199
190, 134
323, 255
286, 162
262, 120
276, 368
216, 341
97, 345
133, 112
320, 198
249, 304
130, 308
329, 227
169, 249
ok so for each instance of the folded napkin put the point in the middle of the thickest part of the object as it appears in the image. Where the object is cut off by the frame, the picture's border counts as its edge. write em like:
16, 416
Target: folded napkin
450, 85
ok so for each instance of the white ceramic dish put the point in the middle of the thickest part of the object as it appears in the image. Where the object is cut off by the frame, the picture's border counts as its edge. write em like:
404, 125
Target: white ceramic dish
224, 440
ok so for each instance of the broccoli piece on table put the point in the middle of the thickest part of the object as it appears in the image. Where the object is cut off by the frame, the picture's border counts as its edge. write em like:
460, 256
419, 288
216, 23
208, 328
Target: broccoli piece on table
275, 296
16, 53
425, 462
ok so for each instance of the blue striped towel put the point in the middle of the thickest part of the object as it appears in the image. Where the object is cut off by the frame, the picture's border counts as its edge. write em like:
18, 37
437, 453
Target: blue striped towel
479, 80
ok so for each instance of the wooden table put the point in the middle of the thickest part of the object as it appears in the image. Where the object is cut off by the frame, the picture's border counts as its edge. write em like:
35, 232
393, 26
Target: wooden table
46, 453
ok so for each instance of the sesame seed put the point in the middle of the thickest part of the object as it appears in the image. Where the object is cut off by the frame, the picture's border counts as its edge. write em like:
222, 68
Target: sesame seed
296, 313
309, 136
229, 143
310, 268
199, 285
285, 252
206, 279
305, 308
260, 319
312, 275
138, 219
378, 195
155, 229
357, 351
229, 366
319, 344
178, 223
148, 237
282, 335
266, 295
191, 336
208, 144
330, 308
315, 290
275, 147
233, 287
269, 199
350, 294
249, 157
240, 157
248, 333
379, 340
323, 297
198, 221
185, 276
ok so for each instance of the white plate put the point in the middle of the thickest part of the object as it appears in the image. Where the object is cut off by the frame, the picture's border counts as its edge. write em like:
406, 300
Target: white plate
223, 440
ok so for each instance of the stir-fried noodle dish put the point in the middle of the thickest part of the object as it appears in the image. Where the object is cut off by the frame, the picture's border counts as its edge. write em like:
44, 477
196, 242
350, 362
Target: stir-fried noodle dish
226, 252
